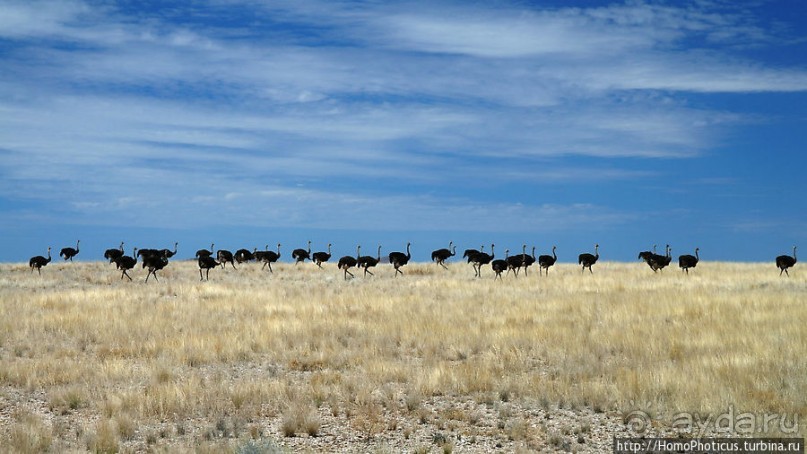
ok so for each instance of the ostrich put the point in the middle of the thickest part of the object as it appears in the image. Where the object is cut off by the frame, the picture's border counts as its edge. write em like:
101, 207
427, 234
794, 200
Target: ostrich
320, 257
38, 262
647, 256
205, 252
126, 263
167, 253
368, 261
659, 262
270, 257
244, 255
300, 255
500, 265
207, 262
441, 255
154, 263
347, 262
783, 262
587, 260
545, 261
687, 261
470, 253
113, 254
259, 255
224, 257
482, 258
515, 262
68, 253
399, 259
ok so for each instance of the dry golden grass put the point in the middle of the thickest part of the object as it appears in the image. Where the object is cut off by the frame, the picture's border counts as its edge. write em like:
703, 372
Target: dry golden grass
90, 362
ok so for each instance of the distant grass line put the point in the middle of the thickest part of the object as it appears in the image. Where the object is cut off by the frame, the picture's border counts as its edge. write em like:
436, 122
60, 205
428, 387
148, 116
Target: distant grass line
127, 357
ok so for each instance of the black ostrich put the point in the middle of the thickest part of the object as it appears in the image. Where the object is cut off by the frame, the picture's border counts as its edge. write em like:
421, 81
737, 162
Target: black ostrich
205, 263
529, 260
126, 263
470, 253
588, 260
688, 261
659, 262
168, 253
114, 254
224, 257
545, 261
244, 255
399, 259
368, 261
656, 261
482, 258
517, 261
205, 252
301, 255
270, 257
322, 257
145, 253
783, 262
154, 263
441, 255
347, 262
259, 255
500, 265
68, 253
38, 262
647, 256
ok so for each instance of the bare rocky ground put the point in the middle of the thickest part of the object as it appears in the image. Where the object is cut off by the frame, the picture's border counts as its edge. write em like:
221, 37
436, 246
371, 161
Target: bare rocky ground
387, 422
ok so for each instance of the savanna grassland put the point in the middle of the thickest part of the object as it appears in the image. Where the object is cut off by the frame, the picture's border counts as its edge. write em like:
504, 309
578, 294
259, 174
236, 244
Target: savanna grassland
434, 361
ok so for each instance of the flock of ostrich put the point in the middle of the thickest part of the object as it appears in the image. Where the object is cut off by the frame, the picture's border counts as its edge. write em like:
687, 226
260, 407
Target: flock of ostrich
157, 259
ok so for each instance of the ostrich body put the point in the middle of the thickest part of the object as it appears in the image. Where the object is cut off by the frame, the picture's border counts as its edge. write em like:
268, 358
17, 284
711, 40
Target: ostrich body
688, 261
114, 254
588, 260
205, 263
68, 253
783, 262
224, 257
205, 252
126, 263
244, 255
260, 254
347, 262
154, 263
482, 258
545, 261
322, 257
168, 253
38, 262
399, 259
301, 255
270, 257
500, 265
647, 256
470, 253
441, 255
368, 261
145, 253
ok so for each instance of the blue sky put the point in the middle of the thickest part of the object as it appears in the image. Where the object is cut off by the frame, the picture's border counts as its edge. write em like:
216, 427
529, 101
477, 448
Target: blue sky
247, 123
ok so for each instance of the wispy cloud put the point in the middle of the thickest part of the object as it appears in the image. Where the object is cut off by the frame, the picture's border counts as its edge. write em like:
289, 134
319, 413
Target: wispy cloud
343, 107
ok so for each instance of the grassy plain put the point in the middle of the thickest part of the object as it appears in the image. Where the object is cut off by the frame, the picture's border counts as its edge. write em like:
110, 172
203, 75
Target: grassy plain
435, 360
